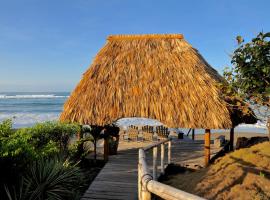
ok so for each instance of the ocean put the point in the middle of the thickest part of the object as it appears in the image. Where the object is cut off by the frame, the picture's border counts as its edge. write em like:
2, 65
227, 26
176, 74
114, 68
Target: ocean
28, 108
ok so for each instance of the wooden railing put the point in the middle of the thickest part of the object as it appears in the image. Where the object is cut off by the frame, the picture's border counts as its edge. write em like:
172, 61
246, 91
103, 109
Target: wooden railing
147, 182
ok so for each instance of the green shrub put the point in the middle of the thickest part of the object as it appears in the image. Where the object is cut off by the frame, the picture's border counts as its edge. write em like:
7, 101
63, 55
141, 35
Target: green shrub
52, 178
80, 149
6, 128
18, 149
48, 132
41, 140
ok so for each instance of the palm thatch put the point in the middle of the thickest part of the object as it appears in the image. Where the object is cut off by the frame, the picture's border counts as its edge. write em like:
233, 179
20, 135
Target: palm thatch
154, 76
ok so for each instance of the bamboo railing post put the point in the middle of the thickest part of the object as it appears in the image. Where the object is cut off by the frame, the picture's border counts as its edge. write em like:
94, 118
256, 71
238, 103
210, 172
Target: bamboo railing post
155, 163
144, 177
145, 195
162, 158
207, 146
139, 181
169, 151
147, 186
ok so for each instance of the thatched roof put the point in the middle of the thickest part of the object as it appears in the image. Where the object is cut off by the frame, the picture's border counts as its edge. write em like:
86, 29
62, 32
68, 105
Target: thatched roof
154, 76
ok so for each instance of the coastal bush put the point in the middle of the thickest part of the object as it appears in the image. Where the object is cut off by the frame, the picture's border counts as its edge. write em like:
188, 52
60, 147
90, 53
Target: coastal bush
52, 178
6, 128
93, 133
42, 140
19, 149
49, 133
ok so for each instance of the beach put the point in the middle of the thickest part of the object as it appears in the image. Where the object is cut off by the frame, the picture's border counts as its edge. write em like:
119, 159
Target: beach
227, 135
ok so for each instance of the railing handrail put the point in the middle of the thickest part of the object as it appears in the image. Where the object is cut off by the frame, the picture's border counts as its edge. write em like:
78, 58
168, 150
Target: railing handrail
147, 184
155, 144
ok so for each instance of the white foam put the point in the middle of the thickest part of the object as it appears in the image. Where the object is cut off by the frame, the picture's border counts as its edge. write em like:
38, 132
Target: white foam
138, 121
259, 124
28, 119
32, 96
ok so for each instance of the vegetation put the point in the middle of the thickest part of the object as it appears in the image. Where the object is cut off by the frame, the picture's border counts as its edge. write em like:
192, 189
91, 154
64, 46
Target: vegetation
39, 162
95, 134
52, 178
249, 77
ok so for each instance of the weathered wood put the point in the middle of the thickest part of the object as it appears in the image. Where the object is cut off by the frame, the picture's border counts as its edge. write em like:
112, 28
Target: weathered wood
207, 146
139, 181
162, 153
193, 134
155, 149
169, 151
119, 177
156, 144
150, 185
106, 149
231, 139
268, 126
145, 176
188, 132
170, 193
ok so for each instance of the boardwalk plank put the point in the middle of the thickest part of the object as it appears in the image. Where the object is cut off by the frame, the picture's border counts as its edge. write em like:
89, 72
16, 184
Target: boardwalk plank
118, 179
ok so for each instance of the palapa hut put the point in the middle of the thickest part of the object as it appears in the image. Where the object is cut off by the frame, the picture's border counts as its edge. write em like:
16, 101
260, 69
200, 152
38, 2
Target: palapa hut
158, 76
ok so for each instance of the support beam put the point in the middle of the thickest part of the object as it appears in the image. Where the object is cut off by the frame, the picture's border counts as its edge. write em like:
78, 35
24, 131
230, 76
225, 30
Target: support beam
268, 126
207, 140
193, 134
162, 153
169, 152
155, 150
139, 181
231, 139
188, 131
106, 149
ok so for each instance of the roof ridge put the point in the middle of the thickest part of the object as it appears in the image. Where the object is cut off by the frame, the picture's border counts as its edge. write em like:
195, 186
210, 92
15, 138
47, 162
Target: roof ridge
144, 36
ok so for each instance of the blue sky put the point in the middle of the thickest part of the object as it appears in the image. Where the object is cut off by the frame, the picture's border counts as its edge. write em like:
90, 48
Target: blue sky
47, 45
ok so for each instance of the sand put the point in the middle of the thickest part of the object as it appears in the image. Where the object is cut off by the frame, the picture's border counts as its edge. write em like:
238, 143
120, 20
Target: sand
227, 135
242, 174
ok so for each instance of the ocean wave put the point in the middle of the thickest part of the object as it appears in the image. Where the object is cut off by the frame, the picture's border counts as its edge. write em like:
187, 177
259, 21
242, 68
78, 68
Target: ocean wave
257, 125
138, 121
28, 119
32, 96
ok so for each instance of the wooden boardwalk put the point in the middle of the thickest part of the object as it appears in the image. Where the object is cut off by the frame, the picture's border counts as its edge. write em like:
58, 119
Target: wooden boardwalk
118, 179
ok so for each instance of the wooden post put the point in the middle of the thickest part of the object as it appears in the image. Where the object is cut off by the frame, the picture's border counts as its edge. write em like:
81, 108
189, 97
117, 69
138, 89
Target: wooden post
139, 181
193, 134
207, 146
155, 163
144, 177
169, 152
106, 149
231, 139
162, 159
268, 126
145, 195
